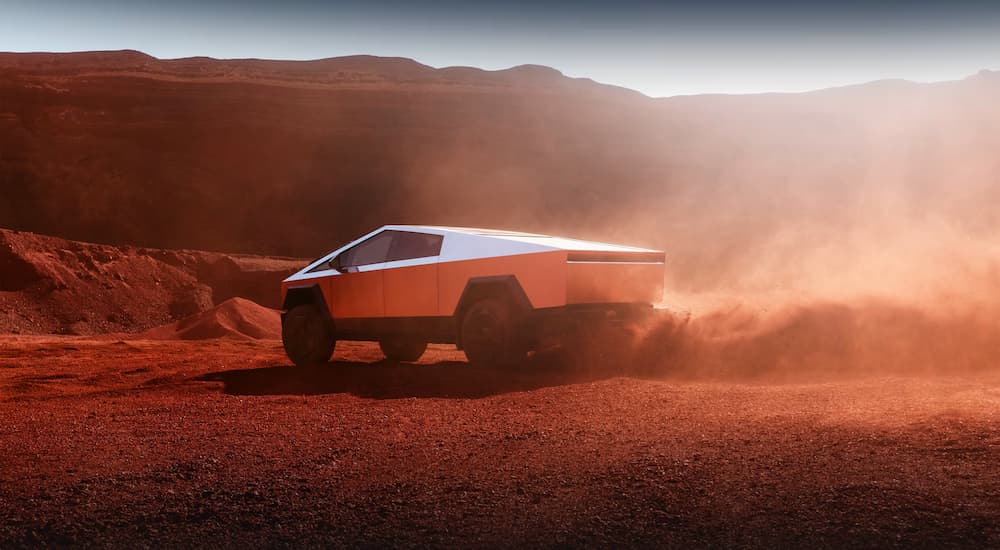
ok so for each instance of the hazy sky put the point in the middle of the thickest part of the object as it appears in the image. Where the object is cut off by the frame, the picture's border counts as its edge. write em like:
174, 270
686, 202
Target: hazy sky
659, 48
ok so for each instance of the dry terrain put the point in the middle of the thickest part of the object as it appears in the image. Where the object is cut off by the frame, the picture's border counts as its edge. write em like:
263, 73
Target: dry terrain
221, 443
835, 384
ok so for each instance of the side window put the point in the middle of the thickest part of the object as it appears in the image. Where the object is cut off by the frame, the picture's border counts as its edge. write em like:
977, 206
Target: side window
372, 251
407, 246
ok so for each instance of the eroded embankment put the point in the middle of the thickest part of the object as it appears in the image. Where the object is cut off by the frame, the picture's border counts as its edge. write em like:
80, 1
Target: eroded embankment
50, 285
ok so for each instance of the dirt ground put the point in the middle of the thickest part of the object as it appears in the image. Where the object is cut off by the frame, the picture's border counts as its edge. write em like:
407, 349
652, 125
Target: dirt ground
221, 443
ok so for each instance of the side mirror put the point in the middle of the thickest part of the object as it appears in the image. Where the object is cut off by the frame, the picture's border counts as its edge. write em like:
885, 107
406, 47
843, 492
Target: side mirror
335, 263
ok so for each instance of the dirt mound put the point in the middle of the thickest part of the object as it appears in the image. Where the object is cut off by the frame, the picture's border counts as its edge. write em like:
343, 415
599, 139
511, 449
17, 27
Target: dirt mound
51, 285
234, 318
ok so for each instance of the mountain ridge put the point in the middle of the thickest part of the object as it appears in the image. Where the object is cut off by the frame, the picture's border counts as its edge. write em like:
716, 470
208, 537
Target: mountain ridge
401, 64
734, 187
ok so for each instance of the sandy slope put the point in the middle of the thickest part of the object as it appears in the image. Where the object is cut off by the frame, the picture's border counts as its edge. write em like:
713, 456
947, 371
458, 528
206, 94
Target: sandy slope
51, 285
235, 318
221, 443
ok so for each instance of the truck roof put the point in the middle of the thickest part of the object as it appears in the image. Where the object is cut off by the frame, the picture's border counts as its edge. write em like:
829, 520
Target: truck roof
548, 241
472, 243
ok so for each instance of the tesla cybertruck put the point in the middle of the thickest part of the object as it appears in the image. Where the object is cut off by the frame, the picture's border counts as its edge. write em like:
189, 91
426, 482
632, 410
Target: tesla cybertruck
495, 294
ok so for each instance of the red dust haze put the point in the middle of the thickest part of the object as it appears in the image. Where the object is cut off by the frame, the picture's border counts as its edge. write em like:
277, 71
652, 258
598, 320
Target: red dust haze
853, 227
825, 251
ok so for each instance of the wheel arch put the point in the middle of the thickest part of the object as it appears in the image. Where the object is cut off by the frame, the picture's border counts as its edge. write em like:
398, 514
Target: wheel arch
505, 287
304, 295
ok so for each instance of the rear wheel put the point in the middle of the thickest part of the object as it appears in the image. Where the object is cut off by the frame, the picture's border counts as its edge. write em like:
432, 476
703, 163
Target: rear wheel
401, 348
307, 336
490, 335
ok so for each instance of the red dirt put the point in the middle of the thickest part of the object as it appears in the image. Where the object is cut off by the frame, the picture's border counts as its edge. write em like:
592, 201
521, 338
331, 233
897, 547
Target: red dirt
50, 285
221, 443
234, 318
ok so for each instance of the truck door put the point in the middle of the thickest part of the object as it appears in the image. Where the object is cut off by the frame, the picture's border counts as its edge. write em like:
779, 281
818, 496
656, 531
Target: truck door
357, 290
411, 275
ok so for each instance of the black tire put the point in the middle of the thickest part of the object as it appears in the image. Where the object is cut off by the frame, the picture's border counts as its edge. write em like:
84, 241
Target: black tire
401, 348
307, 336
491, 335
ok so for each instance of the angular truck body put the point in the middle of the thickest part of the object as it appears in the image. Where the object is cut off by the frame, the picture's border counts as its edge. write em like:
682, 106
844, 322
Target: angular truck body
496, 294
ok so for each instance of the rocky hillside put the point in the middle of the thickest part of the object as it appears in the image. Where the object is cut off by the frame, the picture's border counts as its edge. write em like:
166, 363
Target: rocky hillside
50, 285
292, 158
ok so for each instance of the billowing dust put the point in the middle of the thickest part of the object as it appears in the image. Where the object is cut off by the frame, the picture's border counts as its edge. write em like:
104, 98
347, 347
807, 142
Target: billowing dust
816, 341
858, 237
807, 235
889, 298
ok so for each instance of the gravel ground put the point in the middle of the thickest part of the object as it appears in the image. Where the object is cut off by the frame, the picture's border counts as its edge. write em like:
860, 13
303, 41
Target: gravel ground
220, 443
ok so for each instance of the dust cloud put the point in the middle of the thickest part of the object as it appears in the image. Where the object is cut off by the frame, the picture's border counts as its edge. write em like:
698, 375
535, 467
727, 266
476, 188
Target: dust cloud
820, 341
849, 232
884, 273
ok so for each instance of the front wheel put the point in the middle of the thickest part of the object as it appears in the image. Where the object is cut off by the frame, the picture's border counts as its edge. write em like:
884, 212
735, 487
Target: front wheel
307, 336
490, 335
402, 349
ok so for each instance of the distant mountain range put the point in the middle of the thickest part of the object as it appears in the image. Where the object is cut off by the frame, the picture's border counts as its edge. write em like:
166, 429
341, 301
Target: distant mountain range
295, 157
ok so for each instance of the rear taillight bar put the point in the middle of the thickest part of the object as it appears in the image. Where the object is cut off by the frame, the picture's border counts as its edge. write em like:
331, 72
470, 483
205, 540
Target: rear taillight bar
617, 257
